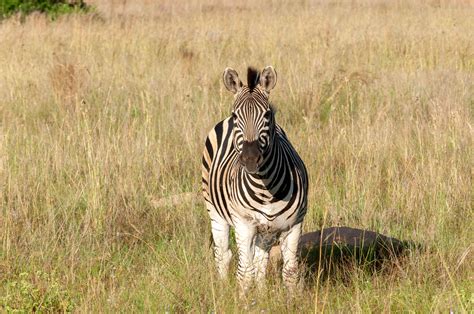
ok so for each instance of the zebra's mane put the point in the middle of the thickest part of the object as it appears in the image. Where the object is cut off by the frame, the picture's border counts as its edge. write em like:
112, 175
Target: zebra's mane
253, 77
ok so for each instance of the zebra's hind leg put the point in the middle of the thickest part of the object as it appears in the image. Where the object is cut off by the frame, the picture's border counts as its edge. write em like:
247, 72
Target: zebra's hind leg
245, 237
289, 249
222, 253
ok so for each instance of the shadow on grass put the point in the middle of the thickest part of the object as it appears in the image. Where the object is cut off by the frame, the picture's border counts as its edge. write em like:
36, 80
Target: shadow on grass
336, 252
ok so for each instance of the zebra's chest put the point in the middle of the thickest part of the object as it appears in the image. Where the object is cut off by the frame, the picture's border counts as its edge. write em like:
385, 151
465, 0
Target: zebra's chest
267, 218
266, 206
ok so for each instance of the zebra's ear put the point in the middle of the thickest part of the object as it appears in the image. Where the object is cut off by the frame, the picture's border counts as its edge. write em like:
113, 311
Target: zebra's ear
231, 80
268, 78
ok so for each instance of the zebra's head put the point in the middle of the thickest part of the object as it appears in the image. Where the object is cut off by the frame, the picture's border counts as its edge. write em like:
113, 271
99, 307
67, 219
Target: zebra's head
252, 114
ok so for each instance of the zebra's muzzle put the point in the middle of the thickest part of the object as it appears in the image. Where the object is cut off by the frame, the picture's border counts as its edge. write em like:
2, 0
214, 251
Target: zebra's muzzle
251, 157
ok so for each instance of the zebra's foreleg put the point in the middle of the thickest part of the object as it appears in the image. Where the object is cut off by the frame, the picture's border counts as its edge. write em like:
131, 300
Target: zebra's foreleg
263, 245
245, 236
289, 249
222, 253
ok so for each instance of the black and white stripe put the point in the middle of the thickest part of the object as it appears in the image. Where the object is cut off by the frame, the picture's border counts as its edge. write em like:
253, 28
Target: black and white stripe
253, 180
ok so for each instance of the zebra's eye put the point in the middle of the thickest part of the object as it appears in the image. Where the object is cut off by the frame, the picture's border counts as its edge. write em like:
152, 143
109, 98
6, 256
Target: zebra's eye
234, 116
268, 114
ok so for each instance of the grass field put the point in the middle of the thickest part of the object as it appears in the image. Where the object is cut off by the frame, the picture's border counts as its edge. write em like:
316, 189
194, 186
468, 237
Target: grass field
104, 115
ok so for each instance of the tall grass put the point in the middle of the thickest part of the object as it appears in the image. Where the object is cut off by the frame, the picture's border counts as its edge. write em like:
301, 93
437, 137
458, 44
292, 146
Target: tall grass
101, 117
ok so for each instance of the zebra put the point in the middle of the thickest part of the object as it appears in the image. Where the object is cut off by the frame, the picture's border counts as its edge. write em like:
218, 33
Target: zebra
253, 180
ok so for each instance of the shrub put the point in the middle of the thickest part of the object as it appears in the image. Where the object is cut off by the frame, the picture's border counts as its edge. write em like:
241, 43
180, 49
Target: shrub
52, 8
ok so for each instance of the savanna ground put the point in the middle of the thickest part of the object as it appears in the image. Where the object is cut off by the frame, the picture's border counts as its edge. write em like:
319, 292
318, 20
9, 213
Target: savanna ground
104, 115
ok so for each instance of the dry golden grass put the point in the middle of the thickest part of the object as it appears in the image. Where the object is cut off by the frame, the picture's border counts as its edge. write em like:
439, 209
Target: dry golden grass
103, 115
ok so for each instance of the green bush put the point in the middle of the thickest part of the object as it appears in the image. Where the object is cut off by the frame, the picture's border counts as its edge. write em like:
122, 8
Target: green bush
52, 8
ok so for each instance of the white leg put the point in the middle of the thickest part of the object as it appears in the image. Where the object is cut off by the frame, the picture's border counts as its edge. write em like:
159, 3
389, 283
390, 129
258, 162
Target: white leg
263, 244
289, 249
260, 261
245, 235
222, 253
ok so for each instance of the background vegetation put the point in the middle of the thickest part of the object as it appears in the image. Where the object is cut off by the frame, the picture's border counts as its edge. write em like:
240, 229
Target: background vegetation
53, 8
102, 118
